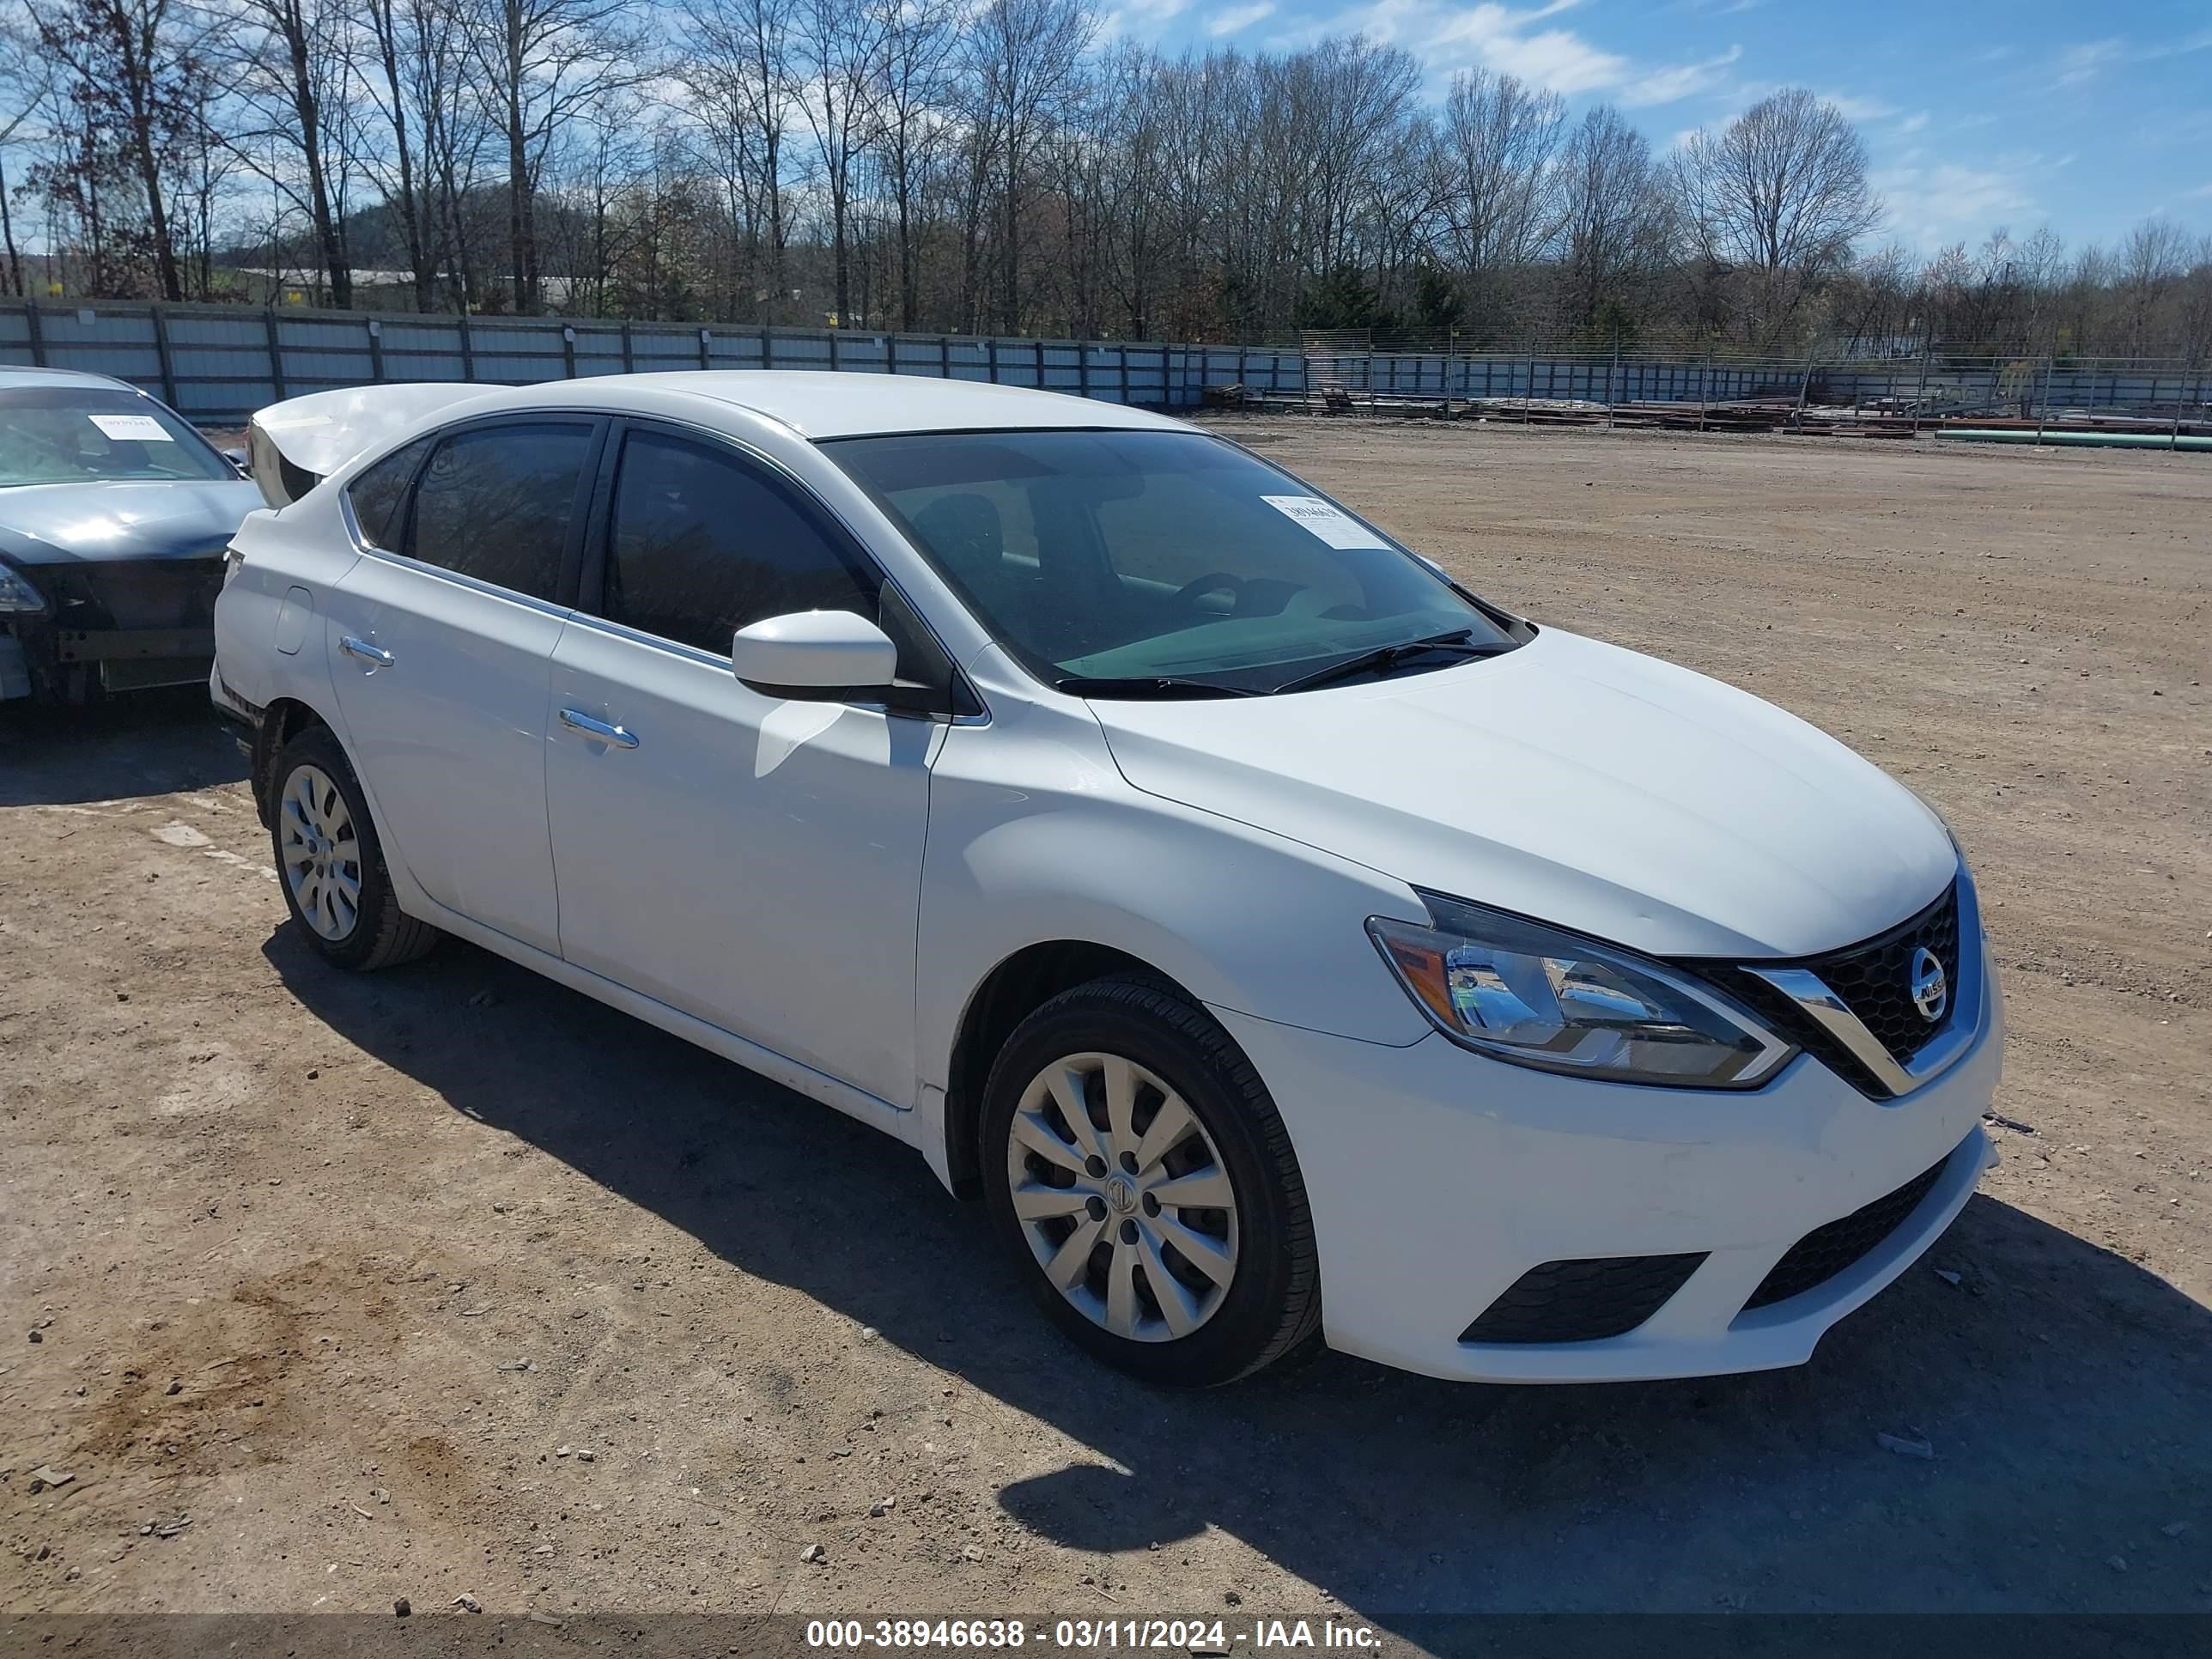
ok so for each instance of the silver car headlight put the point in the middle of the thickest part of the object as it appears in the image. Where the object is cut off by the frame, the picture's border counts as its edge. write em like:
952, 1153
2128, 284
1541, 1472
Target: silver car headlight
1519, 991
17, 594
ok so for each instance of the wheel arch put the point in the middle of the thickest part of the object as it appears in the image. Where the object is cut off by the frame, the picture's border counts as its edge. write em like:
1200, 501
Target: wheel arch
1016, 988
281, 719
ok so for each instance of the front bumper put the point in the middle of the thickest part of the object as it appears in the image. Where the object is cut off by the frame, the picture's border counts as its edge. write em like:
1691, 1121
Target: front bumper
42, 661
1438, 1178
113, 625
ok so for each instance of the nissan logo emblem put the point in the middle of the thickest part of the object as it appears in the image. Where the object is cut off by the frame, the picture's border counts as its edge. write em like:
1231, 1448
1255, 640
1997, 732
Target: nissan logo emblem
1931, 992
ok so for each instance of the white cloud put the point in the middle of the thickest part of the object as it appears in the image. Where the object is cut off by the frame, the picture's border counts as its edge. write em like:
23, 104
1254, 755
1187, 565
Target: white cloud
1860, 109
2091, 58
1236, 19
1913, 122
1449, 37
2088, 60
1668, 86
1138, 17
1949, 201
2202, 194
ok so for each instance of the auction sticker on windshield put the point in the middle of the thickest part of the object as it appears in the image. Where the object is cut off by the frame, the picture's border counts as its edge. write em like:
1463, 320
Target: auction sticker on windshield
131, 428
1333, 526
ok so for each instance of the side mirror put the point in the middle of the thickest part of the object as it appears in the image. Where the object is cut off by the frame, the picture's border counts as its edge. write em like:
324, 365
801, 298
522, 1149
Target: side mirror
825, 655
237, 458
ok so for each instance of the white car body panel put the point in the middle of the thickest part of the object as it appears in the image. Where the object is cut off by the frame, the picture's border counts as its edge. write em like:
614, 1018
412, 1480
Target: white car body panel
817, 891
1035, 838
1754, 834
753, 862
318, 434
1419, 1229
453, 731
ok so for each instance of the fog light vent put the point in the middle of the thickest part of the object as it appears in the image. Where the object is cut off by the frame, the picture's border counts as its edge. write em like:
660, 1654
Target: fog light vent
1582, 1301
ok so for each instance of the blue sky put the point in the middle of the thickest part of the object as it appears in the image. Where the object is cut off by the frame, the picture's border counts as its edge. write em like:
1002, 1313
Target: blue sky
2088, 118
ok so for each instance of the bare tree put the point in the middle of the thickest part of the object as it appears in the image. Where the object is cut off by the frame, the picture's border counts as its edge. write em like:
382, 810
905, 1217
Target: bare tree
1610, 214
739, 66
1876, 312
1025, 58
27, 82
397, 32
2149, 269
1783, 192
977, 163
840, 47
542, 62
1499, 141
288, 67
132, 70
913, 77
2195, 312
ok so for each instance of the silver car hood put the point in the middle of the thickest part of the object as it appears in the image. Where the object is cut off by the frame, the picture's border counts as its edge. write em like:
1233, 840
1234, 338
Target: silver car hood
93, 522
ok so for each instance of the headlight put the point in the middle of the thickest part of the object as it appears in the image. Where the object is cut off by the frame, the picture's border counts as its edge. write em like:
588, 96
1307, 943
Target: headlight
1522, 992
17, 594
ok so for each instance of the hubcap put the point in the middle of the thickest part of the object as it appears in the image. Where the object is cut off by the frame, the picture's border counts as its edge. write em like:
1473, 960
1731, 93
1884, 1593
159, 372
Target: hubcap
320, 853
1123, 1197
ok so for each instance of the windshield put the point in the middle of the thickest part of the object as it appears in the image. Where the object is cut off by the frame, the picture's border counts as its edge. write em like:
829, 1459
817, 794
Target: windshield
1161, 562
76, 434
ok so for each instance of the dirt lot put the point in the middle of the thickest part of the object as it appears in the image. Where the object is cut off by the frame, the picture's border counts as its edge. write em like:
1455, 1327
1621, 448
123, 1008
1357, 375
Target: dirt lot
282, 1241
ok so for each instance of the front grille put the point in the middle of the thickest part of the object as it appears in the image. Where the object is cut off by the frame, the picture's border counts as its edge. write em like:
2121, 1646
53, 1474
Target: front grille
1874, 978
1582, 1301
97, 594
1826, 1251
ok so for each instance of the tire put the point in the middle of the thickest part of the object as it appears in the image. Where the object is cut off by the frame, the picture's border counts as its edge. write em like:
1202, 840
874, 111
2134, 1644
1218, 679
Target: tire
1159, 1050
311, 786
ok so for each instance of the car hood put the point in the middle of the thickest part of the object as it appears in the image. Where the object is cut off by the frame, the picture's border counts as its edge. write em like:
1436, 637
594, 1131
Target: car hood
74, 523
1573, 782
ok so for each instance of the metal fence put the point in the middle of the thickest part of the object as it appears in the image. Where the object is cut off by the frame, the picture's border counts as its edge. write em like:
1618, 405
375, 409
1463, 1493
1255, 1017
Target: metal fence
216, 364
1931, 386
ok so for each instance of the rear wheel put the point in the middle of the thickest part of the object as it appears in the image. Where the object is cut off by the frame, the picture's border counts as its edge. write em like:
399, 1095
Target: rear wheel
330, 863
1138, 1167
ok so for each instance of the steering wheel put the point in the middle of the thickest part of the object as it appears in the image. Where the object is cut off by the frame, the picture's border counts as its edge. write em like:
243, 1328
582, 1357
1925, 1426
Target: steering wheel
1214, 581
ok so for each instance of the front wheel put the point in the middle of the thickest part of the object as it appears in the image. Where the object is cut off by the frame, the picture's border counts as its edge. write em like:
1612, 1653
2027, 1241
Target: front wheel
330, 863
1137, 1165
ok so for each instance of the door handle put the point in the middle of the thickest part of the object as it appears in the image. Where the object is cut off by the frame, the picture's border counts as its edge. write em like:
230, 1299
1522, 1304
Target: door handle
376, 655
576, 720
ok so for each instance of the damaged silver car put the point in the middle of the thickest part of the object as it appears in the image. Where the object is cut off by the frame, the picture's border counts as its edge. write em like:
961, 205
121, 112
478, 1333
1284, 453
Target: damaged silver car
114, 516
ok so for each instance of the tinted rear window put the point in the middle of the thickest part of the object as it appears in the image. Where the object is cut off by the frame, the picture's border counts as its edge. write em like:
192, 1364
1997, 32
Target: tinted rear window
497, 503
379, 495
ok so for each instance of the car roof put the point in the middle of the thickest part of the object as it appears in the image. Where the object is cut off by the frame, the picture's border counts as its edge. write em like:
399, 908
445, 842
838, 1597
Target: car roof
845, 403
18, 375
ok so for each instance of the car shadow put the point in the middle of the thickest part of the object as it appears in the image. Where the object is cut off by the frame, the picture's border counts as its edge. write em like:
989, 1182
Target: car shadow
145, 743
2062, 1392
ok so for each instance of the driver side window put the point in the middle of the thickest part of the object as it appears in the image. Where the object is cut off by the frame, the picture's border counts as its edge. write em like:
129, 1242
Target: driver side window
699, 544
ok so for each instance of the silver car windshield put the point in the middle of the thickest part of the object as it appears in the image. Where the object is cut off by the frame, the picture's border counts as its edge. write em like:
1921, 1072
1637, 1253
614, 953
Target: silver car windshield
1161, 562
77, 434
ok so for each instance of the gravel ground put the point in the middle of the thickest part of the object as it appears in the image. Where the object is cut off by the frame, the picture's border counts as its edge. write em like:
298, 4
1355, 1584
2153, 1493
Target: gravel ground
326, 1291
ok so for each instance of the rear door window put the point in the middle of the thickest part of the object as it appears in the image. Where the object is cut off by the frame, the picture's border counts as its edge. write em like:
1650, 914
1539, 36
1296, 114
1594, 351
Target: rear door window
497, 503
378, 495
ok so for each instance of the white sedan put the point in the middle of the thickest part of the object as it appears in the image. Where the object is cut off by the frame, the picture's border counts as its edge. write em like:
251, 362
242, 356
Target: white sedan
1284, 941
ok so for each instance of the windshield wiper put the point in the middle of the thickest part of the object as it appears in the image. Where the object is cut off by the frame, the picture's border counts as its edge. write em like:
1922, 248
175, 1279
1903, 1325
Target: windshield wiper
1148, 685
1461, 643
